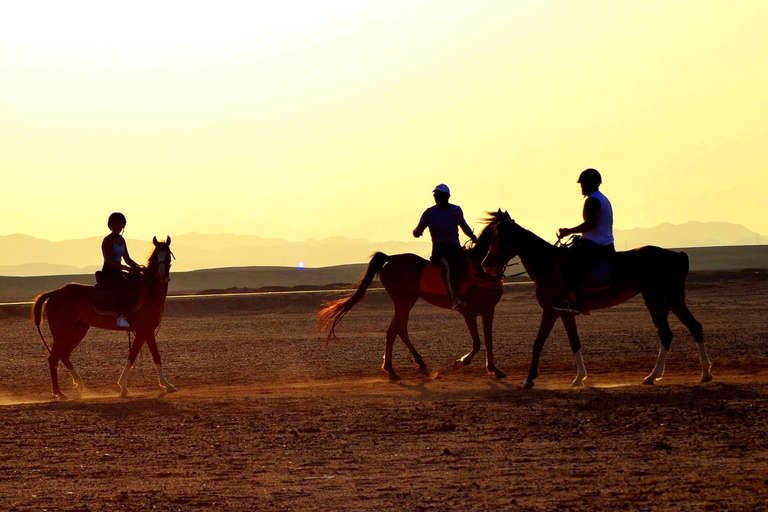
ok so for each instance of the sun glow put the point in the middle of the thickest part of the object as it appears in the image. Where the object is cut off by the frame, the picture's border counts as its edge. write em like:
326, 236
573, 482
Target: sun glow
302, 119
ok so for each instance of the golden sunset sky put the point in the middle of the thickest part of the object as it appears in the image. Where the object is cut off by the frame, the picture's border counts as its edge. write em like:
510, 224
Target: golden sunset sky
299, 119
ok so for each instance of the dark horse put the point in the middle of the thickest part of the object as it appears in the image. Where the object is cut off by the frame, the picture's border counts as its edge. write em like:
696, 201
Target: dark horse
658, 274
71, 313
406, 277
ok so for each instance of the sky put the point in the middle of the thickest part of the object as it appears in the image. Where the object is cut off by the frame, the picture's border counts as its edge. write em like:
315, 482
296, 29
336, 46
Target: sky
303, 119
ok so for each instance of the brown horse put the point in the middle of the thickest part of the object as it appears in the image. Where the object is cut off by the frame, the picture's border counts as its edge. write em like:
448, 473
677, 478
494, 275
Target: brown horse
71, 313
658, 274
406, 277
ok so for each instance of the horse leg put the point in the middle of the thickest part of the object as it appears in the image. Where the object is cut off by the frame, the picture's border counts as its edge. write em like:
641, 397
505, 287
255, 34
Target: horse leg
152, 344
403, 316
392, 332
471, 321
659, 313
694, 327
79, 332
488, 336
548, 319
53, 365
135, 348
569, 322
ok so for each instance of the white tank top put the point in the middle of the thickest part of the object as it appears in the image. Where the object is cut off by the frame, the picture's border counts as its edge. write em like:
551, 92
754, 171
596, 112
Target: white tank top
602, 233
118, 251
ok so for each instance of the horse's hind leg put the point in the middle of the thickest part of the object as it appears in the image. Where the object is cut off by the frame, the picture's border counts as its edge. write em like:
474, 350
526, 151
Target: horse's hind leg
685, 316
78, 333
53, 365
659, 314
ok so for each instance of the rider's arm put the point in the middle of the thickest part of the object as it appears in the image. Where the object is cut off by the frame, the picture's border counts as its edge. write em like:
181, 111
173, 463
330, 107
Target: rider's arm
591, 215
466, 229
132, 264
423, 223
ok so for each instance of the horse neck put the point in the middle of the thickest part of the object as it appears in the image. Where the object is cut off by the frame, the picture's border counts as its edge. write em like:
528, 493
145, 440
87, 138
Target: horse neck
478, 252
536, 254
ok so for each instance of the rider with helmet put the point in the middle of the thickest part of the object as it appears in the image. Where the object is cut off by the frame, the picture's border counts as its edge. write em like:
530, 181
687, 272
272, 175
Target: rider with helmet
443, 221
595, 244
115, 250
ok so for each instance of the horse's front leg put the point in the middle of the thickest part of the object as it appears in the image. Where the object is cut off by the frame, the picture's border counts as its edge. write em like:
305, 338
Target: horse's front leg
152, 344
548, 319
488, 335
471, 321
134, 352
569, 322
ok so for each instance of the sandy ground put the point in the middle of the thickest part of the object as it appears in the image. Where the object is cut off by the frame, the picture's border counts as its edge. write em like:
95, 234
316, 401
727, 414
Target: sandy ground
266, 418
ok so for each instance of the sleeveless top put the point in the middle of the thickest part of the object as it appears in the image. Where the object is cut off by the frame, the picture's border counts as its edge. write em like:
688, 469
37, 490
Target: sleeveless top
602, 233
118, 251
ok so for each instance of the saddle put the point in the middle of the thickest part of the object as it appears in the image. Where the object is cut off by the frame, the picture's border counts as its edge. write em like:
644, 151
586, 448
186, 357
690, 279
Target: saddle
105, 299
600, 276
431, 281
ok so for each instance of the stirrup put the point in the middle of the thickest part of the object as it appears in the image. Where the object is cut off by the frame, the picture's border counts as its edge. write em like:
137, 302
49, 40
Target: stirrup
569, 310
122, 322
458, 303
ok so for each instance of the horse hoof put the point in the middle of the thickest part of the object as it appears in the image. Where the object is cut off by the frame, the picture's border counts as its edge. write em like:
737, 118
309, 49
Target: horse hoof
527, 385
423, 370
124, 393
707, 377
578, 383
498, 374
650, 380
169, 388
61, 397
394, 377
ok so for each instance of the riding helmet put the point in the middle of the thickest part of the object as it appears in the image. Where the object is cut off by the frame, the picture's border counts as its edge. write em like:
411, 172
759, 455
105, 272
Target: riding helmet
115, 217
590, 176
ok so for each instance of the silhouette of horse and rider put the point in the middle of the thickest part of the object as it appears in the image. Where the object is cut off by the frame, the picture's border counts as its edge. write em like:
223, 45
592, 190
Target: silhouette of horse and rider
571, 278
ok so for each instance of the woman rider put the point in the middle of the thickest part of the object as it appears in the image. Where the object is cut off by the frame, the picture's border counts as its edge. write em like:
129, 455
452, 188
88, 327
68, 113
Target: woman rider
115, 250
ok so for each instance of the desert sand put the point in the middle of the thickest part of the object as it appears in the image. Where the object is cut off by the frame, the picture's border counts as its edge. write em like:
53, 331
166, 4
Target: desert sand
268, 418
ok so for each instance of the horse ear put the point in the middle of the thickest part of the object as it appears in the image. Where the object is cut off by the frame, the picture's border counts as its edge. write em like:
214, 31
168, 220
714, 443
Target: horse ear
168, 239
154, 240
506, 216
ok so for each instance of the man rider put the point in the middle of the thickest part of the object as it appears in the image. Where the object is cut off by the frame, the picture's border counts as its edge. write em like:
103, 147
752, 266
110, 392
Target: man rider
443, 221
595, 244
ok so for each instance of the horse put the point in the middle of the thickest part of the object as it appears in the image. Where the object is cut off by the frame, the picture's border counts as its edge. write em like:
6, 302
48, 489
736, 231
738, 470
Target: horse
405, 278
71, 313
658, 274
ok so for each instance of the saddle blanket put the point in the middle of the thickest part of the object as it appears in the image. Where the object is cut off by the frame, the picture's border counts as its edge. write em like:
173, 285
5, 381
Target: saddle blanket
431, 281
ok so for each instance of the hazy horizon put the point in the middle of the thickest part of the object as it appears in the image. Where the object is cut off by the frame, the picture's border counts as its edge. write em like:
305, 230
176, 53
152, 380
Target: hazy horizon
303, 119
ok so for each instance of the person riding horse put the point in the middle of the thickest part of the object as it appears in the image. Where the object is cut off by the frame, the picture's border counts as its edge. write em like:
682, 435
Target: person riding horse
115, 250
444, 220
595, 244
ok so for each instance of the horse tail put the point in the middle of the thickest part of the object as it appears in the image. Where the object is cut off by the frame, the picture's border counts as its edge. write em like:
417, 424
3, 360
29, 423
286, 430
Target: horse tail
331, 315
37, 315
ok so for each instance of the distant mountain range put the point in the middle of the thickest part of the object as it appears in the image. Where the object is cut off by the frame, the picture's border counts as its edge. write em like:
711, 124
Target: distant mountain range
23, 255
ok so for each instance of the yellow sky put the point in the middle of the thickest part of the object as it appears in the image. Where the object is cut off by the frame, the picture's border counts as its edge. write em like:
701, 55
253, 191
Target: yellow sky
298, 119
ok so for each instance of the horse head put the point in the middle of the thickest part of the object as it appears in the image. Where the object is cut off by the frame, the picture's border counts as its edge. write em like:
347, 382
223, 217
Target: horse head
159, 265
502, 247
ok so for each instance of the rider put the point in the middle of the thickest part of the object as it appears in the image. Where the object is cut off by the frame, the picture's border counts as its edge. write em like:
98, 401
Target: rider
443, 221
115, 250
594, 245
